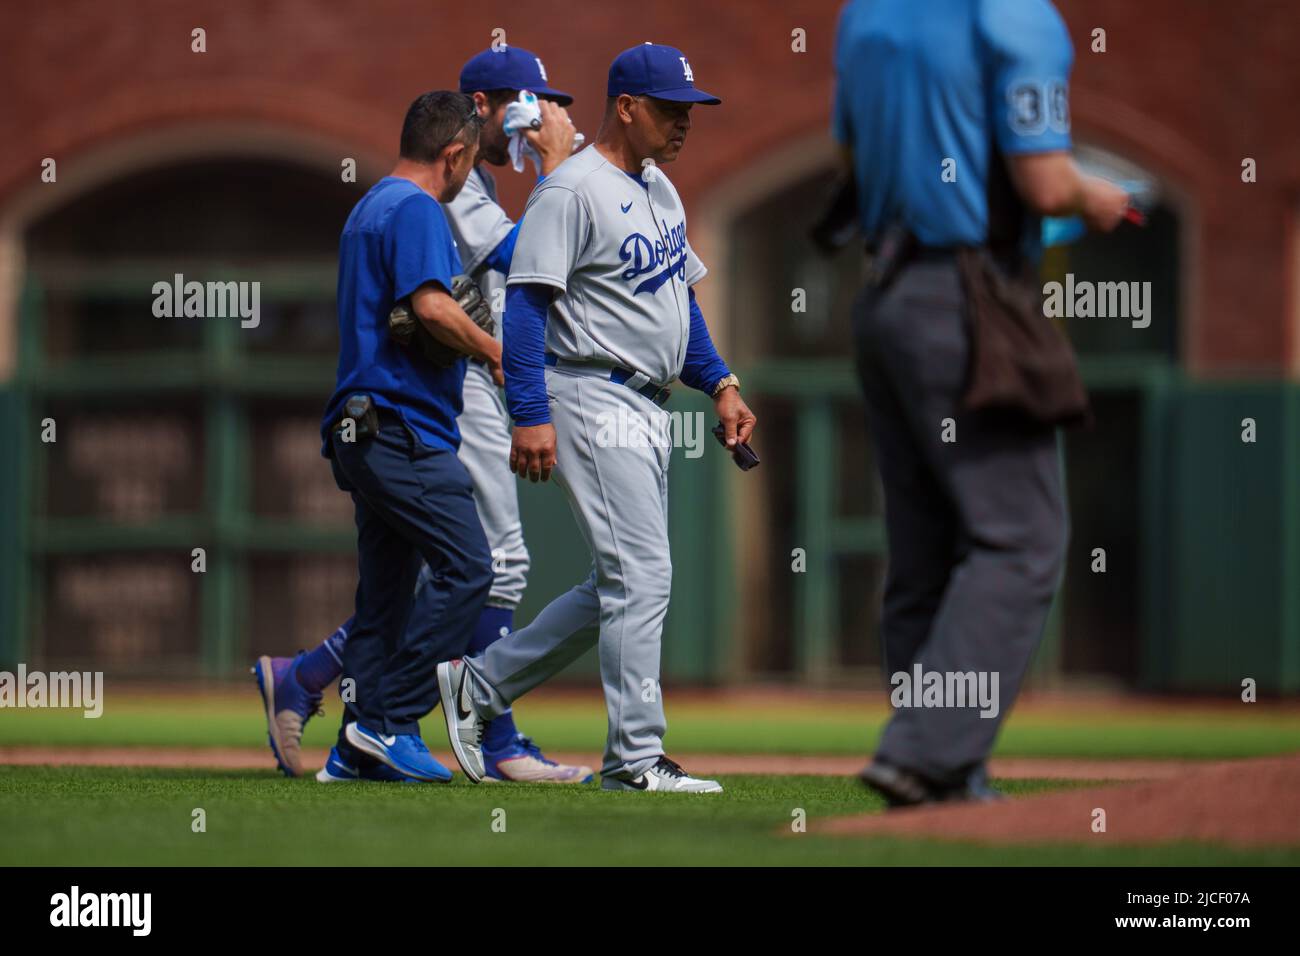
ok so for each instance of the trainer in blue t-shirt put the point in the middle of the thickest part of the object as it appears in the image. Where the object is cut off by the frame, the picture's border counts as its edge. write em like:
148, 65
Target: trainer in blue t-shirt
395, 240
412, 497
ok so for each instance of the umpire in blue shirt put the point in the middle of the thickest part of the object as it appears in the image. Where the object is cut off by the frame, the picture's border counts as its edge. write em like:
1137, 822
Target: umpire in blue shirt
390, 432
954, 121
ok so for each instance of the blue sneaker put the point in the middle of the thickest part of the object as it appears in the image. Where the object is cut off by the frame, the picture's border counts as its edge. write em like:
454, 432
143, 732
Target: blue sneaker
288, 707
522, 760
338, 770
405, 753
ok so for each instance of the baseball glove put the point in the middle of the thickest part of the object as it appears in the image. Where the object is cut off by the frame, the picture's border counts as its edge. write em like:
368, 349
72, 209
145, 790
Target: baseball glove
406, 329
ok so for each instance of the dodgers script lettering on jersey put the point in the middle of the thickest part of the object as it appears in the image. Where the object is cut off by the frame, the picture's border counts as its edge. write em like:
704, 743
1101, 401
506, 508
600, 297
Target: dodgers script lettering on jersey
618, 252
645, 256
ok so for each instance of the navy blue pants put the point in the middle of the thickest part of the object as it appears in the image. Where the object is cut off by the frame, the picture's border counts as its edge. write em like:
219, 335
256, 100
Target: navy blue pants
412, 502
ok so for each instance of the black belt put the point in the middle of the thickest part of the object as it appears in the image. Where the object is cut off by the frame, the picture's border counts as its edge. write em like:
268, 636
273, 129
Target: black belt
617, 374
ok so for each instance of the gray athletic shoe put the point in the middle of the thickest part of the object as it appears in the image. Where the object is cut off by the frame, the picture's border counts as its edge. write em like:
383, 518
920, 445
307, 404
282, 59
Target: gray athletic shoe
464, 725
665, 776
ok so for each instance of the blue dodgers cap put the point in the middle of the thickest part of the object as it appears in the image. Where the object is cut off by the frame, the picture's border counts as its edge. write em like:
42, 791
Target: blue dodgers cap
656, 70
510, 68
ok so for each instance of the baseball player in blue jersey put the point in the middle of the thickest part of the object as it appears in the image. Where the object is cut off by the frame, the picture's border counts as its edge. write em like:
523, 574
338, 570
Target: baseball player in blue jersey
485, 239
600, 317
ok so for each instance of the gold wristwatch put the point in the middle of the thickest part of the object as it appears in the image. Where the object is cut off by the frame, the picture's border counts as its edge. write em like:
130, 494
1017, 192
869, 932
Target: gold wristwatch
725, 382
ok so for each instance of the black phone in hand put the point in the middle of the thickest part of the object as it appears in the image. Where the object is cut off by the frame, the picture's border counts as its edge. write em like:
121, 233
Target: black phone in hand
744, 456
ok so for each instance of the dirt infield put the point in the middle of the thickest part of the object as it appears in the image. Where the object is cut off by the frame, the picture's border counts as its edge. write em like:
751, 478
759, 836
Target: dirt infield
1240, 803
229, 758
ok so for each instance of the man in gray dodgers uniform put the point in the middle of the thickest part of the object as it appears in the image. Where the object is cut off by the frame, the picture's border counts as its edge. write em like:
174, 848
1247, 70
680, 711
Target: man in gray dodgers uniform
599, 317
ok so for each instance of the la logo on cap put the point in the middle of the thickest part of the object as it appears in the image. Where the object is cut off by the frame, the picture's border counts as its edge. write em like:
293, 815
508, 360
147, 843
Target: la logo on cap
686, 70
541, 69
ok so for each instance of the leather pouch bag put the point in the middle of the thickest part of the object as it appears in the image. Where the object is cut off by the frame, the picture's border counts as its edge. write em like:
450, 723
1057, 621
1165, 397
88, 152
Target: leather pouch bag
1020, 359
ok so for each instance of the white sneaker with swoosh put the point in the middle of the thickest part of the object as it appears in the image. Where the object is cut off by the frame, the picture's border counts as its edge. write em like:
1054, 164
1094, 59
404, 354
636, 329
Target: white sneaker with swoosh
464, 725
665, 776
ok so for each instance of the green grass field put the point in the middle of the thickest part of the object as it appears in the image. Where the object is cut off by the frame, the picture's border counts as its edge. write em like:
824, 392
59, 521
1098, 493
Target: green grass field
230, 718
81, 816
136, 816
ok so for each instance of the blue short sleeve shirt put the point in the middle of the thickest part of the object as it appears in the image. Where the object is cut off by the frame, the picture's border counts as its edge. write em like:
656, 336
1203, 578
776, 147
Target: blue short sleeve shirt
923, 91
396, 240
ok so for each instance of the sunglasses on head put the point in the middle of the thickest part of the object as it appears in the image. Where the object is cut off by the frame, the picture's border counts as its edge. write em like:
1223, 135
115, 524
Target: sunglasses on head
470, 117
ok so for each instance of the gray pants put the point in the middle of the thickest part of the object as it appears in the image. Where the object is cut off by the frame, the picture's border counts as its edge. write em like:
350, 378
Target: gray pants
977, 526
485, 453
619, 497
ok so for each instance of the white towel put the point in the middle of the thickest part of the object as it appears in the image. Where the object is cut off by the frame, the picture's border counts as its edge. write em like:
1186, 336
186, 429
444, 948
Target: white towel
524, 114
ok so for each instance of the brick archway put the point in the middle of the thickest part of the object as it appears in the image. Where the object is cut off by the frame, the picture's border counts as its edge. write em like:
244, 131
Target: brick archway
159, 133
